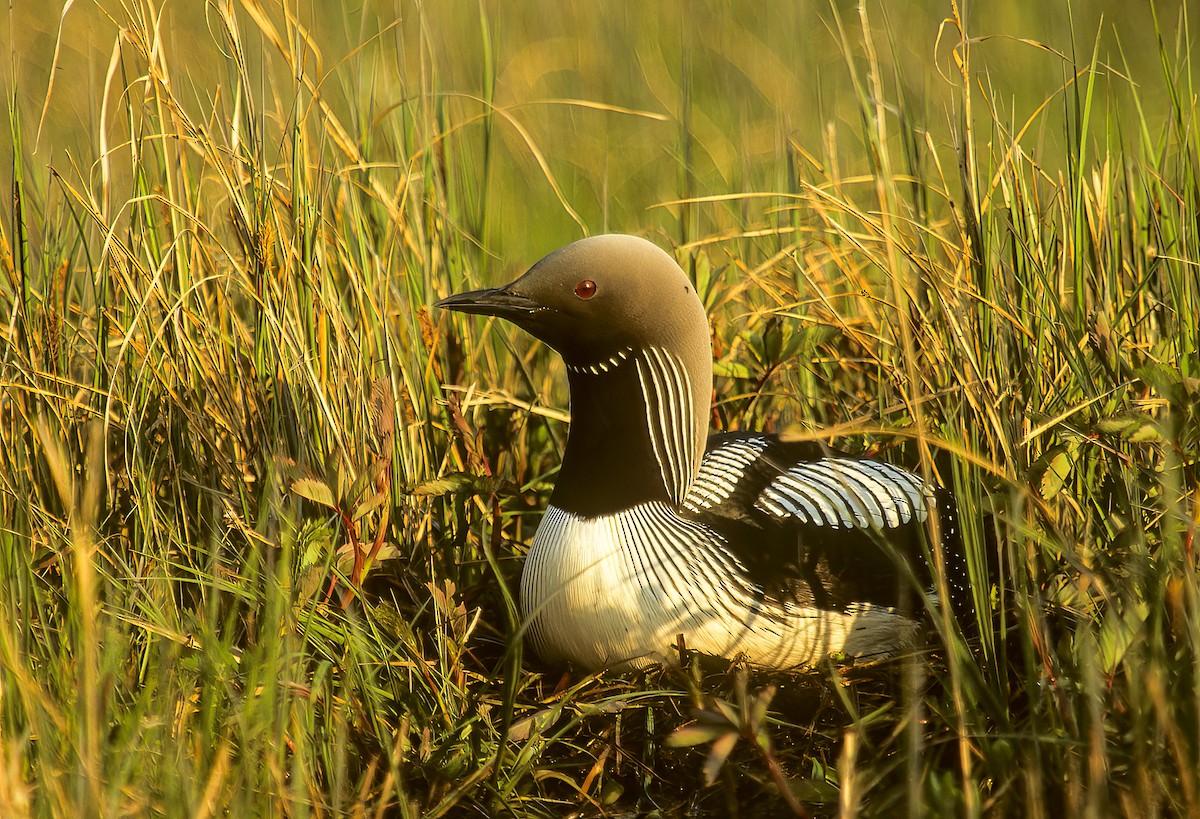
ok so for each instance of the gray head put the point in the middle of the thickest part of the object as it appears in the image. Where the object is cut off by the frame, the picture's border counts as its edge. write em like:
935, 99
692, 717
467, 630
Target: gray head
607, 299
600, 295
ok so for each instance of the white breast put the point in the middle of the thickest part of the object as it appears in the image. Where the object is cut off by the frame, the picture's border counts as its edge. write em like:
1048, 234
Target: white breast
618, 590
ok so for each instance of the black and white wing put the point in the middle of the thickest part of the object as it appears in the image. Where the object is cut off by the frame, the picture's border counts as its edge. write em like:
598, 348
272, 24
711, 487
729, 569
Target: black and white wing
820, 526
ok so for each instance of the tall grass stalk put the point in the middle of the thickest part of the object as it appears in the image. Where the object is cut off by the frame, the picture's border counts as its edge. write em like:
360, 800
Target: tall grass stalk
262, 510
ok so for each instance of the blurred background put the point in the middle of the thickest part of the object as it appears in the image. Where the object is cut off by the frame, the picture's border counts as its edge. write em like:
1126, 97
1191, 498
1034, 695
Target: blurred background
622, 106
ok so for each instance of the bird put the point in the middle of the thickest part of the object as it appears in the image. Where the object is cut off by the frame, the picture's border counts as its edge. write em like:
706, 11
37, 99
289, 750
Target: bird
659, 538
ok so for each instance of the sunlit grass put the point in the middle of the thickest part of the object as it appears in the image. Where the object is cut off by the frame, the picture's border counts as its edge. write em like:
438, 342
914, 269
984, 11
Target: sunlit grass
225, 397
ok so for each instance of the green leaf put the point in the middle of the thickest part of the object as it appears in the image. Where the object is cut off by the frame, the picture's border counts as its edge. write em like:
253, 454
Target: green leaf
807, 340
729, 712
1119, 632
610, 792
315, 541
535, 724
816, 791
315, 490
772, 340
731, 369
369, 505
721, 749
1050, 472
1148, 431
695, 734
1134, 427
758, 708
455, 482
364, 482
1167, 381
445, 485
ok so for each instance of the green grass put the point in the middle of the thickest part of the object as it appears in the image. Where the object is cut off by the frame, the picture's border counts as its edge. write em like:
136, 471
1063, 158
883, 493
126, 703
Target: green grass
221, 377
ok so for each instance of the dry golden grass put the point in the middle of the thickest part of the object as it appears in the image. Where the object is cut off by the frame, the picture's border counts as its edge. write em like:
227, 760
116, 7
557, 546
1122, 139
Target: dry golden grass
225, 397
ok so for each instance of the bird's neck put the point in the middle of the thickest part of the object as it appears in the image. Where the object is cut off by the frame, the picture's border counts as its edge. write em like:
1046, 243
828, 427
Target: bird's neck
638, 425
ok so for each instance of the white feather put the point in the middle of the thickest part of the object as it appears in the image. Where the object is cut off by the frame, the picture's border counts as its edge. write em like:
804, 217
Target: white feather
618, 590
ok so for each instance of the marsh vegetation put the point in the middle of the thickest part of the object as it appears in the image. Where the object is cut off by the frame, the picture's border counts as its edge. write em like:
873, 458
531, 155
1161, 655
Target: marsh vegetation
960, 237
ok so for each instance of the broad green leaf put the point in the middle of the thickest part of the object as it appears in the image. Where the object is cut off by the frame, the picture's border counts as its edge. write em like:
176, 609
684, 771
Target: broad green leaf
695, 734
315, 490
1050, 472
731, 369
445, 485
369, 505
1135, 427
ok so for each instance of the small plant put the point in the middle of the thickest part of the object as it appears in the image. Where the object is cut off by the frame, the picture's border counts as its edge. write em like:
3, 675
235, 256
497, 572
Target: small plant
723, 724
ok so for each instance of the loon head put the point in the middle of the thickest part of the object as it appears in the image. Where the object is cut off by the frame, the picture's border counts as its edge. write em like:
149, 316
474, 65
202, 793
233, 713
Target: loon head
599, 296
634, 335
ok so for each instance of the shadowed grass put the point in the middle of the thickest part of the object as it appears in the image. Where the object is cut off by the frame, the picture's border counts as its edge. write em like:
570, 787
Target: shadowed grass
225, 396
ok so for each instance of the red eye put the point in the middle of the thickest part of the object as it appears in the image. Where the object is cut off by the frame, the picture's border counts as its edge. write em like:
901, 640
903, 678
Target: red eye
585, 289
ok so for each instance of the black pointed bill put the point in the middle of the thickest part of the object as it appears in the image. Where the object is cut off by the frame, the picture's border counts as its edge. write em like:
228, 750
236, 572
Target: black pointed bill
493, 301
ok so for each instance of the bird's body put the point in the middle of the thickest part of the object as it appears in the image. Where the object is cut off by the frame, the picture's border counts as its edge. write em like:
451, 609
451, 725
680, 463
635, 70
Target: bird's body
640, 582
741, 544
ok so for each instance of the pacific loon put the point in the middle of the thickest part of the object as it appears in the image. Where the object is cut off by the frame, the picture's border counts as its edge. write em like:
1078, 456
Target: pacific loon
741, 544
